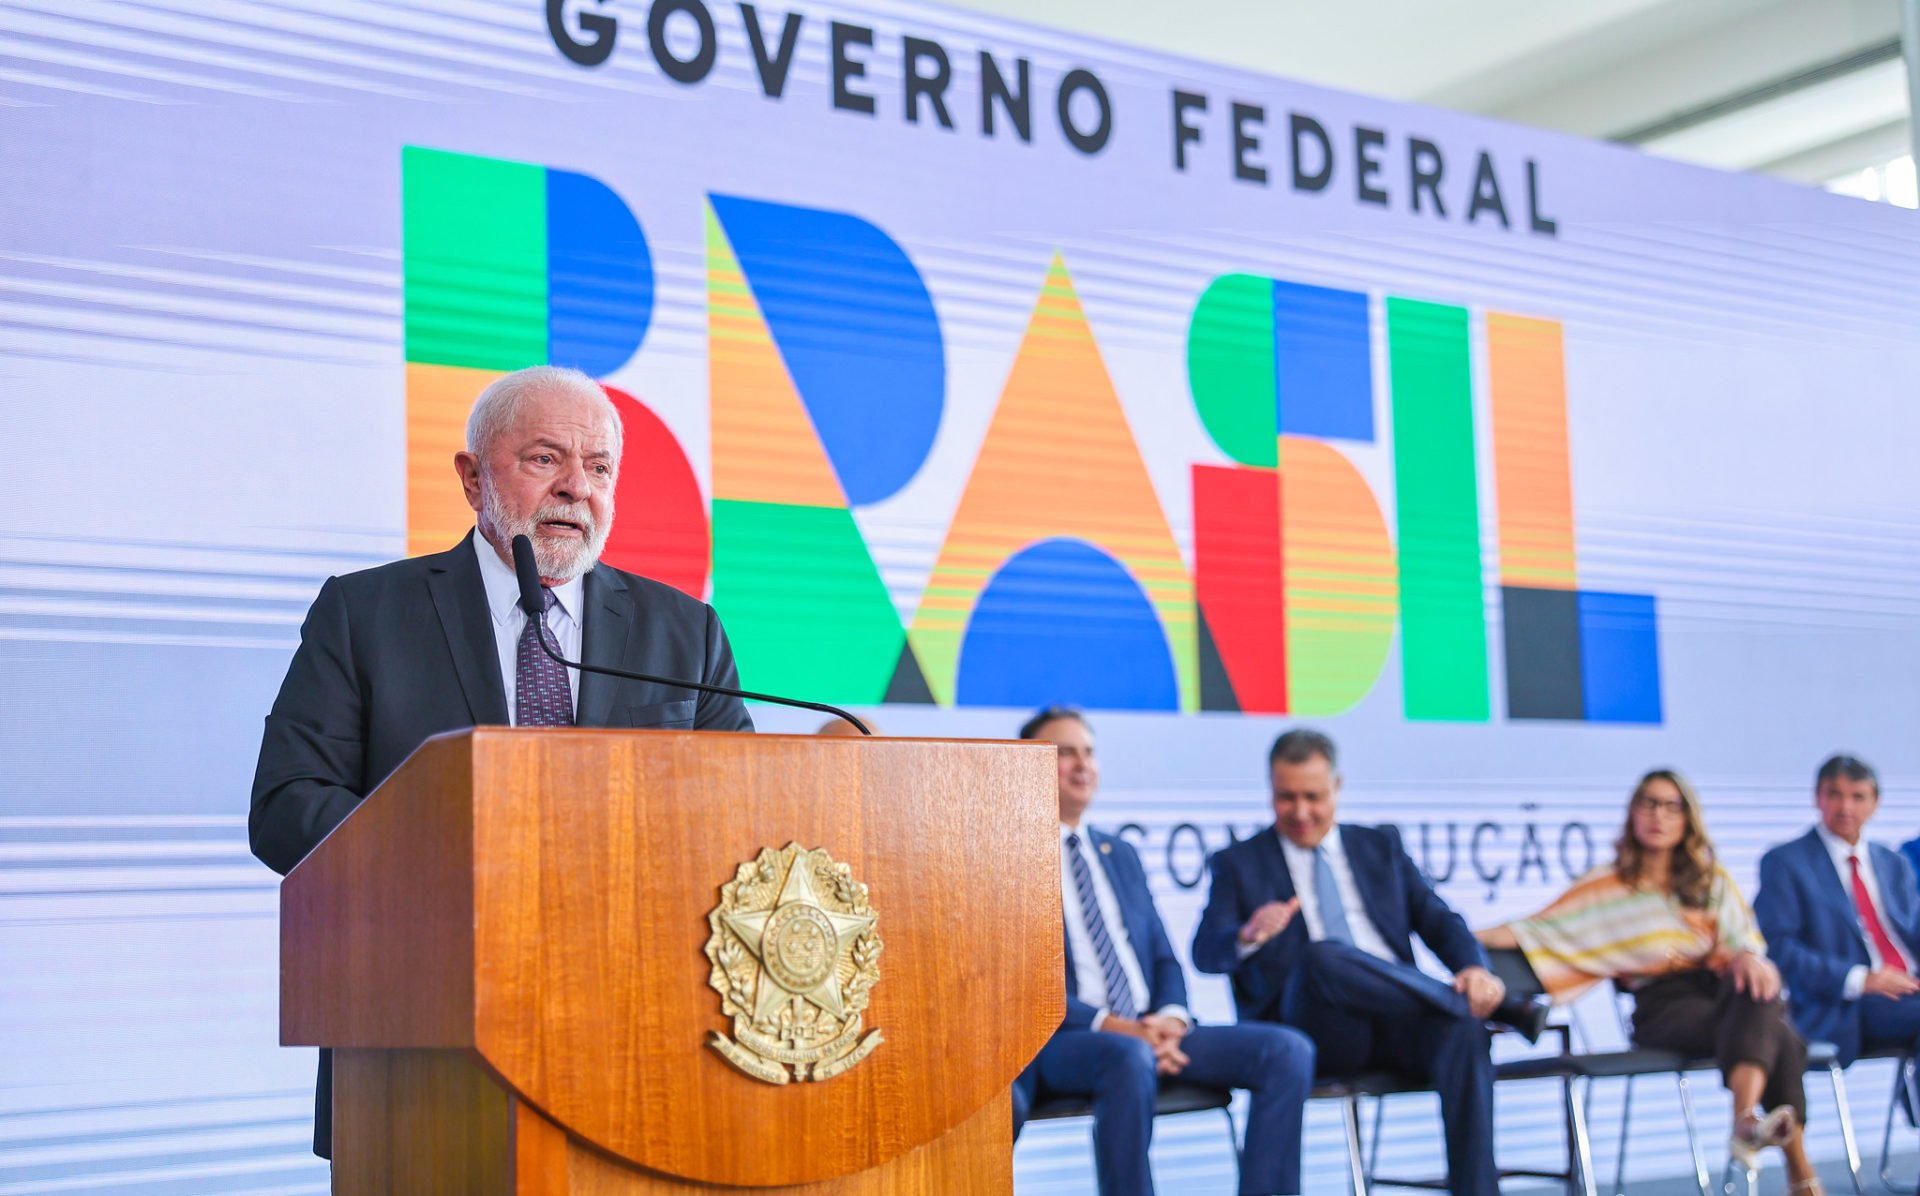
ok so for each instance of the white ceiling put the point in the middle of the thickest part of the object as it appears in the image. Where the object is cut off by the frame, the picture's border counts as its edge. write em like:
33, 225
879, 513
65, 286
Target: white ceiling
1598, 68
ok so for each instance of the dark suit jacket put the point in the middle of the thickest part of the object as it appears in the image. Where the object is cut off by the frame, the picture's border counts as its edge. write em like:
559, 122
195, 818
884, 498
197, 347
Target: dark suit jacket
1166, 983
1252, 872
1813, 931
393, 655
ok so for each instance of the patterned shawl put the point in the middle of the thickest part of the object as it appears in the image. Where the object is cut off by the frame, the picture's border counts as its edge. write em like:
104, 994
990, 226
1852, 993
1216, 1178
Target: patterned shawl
1601, 929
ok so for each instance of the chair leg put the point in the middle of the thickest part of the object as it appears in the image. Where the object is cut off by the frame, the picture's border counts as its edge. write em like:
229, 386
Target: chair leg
1620, 1163
1843, 1112
1356, 1164
1739, 1181
1581, 1146
1902, 1080
1373, 1143
1233, 1138
1693, 1135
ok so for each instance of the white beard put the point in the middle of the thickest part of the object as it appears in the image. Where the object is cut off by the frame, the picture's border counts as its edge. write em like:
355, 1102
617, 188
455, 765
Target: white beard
561, 561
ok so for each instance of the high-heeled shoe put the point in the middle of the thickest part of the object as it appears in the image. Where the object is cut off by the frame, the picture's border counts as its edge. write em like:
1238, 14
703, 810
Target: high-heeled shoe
1751, 1135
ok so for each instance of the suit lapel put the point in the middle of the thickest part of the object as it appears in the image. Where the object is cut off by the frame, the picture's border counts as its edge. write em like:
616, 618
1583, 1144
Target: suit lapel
460, 599
1887, 864
1274, 859
1821, 863
1827, 880
607, 608
1364, 862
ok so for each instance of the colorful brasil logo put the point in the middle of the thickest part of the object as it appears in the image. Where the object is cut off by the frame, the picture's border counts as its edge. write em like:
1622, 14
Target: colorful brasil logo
1059, 576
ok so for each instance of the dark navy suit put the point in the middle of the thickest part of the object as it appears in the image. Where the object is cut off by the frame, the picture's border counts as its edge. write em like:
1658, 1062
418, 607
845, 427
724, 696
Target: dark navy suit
1814, 937
1118, 1070
393, 655
1360, 1011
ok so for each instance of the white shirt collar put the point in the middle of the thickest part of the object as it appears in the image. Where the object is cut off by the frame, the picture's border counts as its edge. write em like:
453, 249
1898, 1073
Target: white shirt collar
503, 586
1335, 849
1840, 849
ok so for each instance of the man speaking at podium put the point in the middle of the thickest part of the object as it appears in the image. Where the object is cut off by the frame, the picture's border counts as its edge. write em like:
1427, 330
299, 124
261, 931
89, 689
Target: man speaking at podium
393, 655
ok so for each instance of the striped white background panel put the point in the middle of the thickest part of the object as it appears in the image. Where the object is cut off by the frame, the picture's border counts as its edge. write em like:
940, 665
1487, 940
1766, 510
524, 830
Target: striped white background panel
202, 383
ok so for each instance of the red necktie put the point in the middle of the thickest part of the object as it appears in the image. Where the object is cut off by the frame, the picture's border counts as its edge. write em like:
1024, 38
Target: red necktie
1891, 956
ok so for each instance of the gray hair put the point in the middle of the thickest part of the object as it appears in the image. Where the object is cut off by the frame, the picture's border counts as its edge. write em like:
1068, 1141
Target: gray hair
1301, 745
498, 404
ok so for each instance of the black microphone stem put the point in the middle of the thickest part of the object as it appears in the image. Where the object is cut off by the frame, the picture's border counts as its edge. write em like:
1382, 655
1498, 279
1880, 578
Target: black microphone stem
527, 571
683, 683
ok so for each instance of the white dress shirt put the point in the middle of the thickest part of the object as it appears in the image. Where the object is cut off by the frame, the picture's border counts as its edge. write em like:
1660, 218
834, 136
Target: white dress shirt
503, 603
1366, 935
1090, 980
1841, 851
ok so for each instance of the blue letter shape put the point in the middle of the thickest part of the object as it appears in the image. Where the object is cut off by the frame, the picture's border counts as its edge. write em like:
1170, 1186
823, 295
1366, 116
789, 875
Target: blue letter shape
1323, 362
857, 330
599, 276
1064, 622
1619, 658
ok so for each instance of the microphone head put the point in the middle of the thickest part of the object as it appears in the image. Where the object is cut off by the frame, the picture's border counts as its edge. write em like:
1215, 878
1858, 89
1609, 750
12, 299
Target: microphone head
528, 571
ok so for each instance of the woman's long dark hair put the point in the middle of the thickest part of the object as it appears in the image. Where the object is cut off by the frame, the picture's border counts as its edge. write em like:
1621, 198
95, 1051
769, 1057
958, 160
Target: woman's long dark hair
1690, 875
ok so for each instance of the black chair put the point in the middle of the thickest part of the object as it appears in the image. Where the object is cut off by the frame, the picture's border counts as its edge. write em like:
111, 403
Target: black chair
1514, 971
1350, 1090
1173, 1099
1903, 1078
1821, 1057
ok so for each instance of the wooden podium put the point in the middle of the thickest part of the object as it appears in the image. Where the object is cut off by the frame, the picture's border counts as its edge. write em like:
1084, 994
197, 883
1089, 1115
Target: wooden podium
506, 946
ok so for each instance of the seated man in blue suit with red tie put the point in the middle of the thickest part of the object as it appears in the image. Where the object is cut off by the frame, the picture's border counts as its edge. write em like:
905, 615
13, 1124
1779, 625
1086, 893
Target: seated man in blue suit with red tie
1313, 921
1127, 1022
1842, 920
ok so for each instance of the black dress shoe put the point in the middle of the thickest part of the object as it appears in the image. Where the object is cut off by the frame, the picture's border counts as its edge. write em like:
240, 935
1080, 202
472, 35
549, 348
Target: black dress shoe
1527, 1015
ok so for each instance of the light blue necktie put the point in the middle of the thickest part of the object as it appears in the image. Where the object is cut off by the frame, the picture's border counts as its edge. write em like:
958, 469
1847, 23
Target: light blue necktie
1326, 895
1119, 992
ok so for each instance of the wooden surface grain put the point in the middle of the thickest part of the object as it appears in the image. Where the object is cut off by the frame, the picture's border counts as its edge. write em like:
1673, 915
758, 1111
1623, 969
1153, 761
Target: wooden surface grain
427, 1123
586, 862
438, 1123
606, 851
975, 1158
542, 1156
376, 924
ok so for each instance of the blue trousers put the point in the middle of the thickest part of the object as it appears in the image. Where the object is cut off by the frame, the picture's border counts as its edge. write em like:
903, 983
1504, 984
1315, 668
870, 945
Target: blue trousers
1364, 1013
1117, 1071
1892, 1023
1885, 1022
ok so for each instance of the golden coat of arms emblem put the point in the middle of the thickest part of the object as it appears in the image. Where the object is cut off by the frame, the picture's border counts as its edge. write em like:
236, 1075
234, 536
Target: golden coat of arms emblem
795, 955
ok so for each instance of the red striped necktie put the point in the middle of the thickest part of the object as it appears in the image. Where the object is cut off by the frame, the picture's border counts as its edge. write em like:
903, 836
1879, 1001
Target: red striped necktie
1891, 955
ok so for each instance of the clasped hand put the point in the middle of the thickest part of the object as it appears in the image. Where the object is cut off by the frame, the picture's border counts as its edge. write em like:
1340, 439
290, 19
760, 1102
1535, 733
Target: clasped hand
1163, 1034
1892, 983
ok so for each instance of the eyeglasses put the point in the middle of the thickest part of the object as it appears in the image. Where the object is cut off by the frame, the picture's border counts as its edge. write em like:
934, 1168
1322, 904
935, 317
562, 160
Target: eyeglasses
1659, 805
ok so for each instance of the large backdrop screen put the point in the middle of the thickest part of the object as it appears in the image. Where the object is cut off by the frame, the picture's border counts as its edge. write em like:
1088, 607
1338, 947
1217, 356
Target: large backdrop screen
965, 366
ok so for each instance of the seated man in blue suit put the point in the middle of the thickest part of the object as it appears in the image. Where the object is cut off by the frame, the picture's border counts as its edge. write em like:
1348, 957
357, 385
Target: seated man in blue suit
1127, 1021
1313, 921
1842, 920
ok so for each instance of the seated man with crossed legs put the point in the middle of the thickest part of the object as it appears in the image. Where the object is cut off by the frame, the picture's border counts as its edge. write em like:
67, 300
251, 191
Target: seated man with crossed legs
1313, 921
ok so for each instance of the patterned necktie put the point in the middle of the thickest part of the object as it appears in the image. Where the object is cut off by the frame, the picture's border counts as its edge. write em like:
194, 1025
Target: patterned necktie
1120, 1000
541, 695
1891, 956
1326, 895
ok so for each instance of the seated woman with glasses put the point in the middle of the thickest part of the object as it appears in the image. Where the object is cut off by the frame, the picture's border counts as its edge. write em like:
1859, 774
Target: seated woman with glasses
1666, 922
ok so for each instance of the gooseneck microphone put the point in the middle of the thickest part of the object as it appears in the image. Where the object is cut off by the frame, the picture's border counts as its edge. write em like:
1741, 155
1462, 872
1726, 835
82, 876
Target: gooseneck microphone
528, 571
